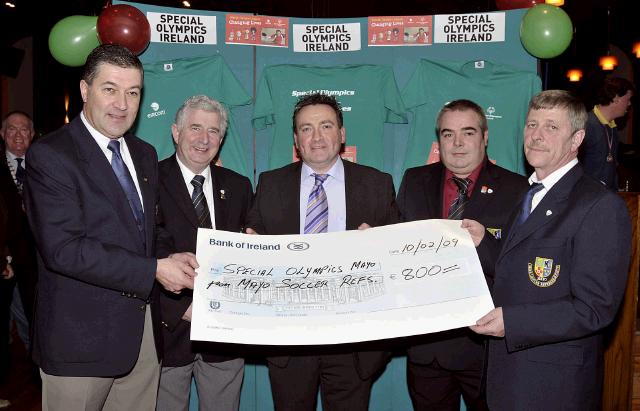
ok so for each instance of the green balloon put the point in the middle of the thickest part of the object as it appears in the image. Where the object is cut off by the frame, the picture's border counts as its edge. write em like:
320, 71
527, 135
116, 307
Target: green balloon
73, 38
546, 31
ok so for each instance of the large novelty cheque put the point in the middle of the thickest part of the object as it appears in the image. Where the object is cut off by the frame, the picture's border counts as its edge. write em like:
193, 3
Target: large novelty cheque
384, 282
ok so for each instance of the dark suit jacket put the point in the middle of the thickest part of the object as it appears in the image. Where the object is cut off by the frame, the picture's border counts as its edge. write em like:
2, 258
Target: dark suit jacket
21, 244
552, 353
594, 150
420, 198
96, 273
369, 197
232, 195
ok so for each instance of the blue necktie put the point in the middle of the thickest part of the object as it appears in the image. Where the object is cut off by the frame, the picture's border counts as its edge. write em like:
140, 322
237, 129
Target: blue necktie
317, 218
526, 203
200, 202
457, 207
126, 182
20, 174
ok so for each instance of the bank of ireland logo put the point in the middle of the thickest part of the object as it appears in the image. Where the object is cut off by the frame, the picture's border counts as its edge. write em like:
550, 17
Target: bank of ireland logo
298, 246
214, 305
542, 272
490, 113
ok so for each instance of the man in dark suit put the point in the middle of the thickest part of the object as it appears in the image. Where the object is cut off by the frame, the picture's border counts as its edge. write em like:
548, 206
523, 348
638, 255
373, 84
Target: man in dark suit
17, 133
599, 151
91, 194
196, 193
560, 274
445, 365
322, 194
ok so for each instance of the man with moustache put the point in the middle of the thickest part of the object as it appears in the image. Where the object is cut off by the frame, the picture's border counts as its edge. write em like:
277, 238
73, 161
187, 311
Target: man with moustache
464, 184
91, 194
322, 193
560, 274
195, 193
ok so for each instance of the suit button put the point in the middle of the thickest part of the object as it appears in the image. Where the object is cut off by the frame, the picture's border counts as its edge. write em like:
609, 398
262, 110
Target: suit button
143, 307
135, 296
123, 294
165, 324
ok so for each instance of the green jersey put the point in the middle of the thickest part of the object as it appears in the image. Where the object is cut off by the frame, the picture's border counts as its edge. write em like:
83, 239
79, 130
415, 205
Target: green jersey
368, 94
502, 91
168, 84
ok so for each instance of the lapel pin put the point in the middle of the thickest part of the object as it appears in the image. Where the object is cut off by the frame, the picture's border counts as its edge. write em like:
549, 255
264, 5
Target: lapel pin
144, 179
486, 190
223, 195
549, 213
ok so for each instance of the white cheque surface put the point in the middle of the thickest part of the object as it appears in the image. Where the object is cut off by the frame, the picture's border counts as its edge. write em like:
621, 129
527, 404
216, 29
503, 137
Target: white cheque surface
384, 282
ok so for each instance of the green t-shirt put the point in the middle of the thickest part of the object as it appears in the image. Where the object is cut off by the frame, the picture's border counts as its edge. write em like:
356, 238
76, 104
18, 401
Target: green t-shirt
368, 94
168, 84
502, 91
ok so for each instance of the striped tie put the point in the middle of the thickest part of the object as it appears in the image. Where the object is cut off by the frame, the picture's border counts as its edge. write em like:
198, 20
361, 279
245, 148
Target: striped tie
200, 203
457, 207
317, 219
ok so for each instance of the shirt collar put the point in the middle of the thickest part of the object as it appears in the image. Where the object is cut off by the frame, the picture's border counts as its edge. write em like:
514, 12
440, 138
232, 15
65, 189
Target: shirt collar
554, 177
601, 118
101, 139
473, 176
335, 172
10, 156
188, 175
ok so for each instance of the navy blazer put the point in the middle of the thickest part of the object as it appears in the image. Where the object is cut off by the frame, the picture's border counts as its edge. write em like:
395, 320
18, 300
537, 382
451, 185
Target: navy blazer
369, 198
95, 271
560, 278
420, 198
232, 195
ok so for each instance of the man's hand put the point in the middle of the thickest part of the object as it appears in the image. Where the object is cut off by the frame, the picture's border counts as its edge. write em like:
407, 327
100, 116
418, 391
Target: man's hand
177, 272
250, 230
491, 324
7, 273
187, 314
475, 229
363, 226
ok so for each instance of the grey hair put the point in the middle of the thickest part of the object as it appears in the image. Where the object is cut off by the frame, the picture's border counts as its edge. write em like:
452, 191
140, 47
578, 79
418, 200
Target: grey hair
205, 103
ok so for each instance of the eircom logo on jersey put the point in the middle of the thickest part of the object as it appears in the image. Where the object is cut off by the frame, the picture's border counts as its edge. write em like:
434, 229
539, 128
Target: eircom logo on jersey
156, 110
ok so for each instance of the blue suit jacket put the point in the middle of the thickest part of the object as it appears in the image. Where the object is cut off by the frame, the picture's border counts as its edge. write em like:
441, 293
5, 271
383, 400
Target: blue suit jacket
95, 270
560, 278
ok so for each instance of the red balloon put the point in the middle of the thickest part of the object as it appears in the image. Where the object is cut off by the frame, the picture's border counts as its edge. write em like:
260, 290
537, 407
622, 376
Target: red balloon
517, 4
124, 25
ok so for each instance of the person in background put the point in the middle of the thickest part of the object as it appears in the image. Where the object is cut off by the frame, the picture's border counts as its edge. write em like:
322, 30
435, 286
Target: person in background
599, 151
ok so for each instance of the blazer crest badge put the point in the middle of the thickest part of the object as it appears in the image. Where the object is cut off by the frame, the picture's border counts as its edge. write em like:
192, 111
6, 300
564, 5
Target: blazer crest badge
542, 272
